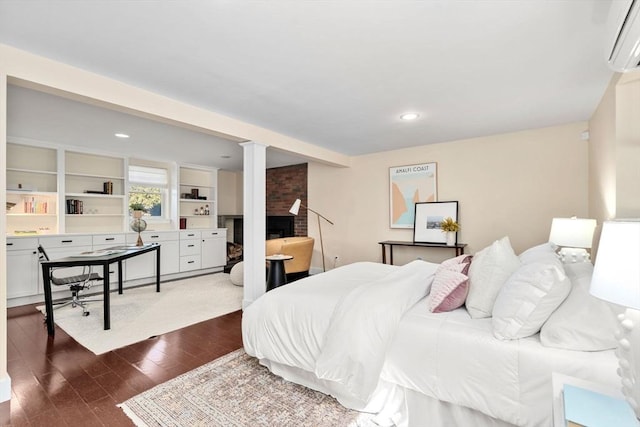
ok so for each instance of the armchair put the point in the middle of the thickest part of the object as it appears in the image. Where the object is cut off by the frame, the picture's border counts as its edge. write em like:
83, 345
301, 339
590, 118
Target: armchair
301, 248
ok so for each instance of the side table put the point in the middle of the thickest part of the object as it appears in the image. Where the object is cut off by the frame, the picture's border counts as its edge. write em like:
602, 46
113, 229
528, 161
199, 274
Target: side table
276, 276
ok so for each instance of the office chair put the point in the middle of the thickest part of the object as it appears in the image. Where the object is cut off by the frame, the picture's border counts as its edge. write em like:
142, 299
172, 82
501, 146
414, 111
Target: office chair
76, 284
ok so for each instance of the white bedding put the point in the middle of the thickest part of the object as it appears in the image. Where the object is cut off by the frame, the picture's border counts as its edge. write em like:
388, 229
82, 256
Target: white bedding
364, 325
337, 325
456, 359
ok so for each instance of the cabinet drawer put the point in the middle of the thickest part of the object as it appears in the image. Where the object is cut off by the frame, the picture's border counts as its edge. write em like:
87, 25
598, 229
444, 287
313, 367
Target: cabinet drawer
22, 244
191, 234
108, 239
190, 247
152, 236
212, 234
188, 263
64, 241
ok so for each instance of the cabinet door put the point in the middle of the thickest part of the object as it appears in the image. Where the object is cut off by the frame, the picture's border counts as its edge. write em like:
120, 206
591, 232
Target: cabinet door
170, 257
214, 252
22, 273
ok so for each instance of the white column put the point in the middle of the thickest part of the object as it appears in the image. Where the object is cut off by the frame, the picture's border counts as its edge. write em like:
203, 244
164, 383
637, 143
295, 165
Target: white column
254, 185
5, 380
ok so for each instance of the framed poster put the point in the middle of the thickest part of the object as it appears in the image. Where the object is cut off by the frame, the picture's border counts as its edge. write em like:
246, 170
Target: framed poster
409, 185
428, 217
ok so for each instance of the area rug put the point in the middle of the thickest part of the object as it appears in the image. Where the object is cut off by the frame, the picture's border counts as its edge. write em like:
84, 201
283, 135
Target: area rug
235, 390
140, 313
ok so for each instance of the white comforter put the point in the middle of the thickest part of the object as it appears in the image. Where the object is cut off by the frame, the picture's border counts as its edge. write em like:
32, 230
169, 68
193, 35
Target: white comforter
366, 328
456, 359
337, 325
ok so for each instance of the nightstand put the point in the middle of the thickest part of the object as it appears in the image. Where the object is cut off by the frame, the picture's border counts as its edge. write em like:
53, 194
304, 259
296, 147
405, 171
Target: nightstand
560, 380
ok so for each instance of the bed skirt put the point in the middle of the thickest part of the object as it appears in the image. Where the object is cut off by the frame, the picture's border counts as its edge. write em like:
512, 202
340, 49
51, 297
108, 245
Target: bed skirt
394, 405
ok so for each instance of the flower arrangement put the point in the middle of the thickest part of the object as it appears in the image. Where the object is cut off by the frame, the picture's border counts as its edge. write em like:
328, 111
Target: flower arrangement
448, 224
137, 207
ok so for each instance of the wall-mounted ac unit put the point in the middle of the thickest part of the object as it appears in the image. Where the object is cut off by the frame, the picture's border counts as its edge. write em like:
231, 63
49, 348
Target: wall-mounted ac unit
623, 53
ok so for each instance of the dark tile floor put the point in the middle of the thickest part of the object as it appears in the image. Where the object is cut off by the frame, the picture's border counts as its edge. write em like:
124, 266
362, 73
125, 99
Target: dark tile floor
57, 382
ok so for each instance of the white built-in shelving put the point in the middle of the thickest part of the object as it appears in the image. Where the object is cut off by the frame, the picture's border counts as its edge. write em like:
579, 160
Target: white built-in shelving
197, 197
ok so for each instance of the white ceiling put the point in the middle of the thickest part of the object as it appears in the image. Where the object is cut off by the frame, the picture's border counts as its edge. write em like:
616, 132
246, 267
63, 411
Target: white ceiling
336, 74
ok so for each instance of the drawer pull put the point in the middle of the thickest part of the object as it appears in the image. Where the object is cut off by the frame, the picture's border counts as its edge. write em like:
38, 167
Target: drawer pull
9, 244
155, 237
190, 235
110, 238
67, 241
214, 234
190, 262
190, 246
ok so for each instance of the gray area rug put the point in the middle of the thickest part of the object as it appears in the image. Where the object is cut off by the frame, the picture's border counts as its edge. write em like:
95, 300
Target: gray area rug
235, 390
140, 313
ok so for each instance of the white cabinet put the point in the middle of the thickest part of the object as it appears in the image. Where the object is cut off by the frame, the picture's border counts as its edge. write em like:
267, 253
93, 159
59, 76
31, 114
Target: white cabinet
94, 193
214, 248
144, 265
104, 241
190, 250
32, 185
197, 193
22, 267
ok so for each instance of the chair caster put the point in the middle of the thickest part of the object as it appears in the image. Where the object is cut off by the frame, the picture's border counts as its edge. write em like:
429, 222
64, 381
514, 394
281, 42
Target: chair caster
86, 313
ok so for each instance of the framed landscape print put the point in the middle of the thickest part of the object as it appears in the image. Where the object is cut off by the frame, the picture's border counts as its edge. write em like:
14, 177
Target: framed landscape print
409, 185
428, 217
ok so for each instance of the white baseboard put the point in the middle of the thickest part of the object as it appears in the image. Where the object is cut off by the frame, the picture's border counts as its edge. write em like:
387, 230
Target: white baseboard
5, 388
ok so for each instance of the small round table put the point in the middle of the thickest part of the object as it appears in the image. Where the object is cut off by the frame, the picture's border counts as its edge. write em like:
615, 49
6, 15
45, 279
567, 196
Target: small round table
276, 276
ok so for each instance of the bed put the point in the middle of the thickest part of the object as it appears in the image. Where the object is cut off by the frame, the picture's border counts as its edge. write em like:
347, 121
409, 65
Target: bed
365, 333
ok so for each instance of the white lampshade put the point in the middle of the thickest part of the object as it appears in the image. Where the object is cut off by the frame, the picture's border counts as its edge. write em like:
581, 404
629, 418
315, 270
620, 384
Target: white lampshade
572, 232
295, 207
616, 275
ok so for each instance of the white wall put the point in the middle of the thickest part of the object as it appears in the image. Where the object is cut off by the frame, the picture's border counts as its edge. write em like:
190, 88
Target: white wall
511, 184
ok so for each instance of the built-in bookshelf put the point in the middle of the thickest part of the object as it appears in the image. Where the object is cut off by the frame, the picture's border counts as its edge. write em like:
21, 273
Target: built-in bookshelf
55, 190
197, 197
32, 190
94, 192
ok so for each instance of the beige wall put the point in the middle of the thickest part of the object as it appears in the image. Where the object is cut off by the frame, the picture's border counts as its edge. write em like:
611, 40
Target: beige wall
229, 193
628, 147
511, 184
614, 152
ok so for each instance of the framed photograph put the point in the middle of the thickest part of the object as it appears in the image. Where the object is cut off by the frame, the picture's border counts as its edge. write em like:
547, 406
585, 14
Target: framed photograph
428, 217
409, 185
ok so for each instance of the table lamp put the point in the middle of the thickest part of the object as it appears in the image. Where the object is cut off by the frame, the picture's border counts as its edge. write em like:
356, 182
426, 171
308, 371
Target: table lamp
574, 236
295, 208
616, 279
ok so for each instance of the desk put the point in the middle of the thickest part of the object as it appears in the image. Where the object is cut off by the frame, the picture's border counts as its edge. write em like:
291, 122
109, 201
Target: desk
459, 247
104, 261
277, 276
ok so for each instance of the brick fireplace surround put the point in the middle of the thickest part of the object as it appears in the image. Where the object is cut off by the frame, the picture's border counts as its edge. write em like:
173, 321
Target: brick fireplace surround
284, 186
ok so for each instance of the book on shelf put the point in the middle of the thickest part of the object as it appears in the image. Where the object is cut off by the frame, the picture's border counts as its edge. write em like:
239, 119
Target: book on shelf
588, 408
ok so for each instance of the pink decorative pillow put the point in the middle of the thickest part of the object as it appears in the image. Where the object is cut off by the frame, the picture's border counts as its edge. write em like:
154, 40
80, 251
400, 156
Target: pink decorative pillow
449, 289
462, 259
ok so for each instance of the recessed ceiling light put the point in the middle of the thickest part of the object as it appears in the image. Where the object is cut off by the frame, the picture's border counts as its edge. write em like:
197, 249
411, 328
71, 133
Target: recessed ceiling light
409, 116
121, 135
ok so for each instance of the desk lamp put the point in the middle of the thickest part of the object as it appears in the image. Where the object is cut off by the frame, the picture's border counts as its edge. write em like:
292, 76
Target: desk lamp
616, 279
574, 236
295, 208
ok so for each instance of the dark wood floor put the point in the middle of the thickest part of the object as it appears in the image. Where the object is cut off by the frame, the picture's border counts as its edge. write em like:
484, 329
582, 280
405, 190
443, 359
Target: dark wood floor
57, 382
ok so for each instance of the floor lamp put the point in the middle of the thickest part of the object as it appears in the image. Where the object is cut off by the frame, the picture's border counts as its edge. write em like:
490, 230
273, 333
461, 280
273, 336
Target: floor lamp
294, 210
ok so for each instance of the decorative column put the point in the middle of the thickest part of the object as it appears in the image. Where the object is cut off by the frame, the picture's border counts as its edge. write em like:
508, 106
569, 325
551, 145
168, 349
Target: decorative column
254, 211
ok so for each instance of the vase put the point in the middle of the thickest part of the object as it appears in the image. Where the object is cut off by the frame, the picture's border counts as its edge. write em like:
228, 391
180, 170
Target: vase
451, 238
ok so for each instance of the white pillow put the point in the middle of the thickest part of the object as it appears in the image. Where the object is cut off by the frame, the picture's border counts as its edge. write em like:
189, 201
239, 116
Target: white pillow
541, 253
583, 322
490, 269
527, 300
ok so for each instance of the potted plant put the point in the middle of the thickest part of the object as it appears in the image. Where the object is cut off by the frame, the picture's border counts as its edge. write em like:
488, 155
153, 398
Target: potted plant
138, 210
451, 227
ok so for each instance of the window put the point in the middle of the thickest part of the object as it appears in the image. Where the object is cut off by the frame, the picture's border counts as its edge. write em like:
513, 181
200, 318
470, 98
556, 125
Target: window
150, 186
